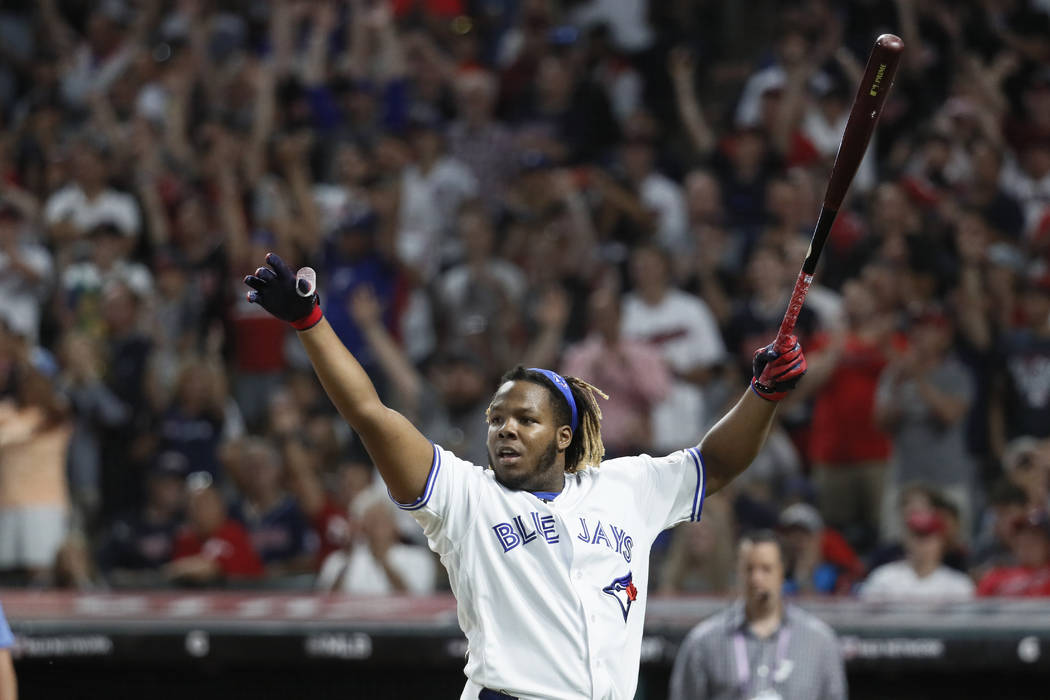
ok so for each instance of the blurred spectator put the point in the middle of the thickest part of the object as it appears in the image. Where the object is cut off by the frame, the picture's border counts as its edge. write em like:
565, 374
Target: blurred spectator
433, 188
922, 574
659, 194
126, 444
816, 559
1021, 402
34, 437
279, 531
449, 402
773, 480
1000, 210
700, 557
193, 422
89, 201
684, 330
628, 21
921, 400
635, 373
1030, 573
352, 259
743, 651
478, 292
95, 409
83, 282
918, 497
139, 544
26, 272
1026, 463
325, 502
476, 139
1007, 505
848, 450
212, 548
375, 562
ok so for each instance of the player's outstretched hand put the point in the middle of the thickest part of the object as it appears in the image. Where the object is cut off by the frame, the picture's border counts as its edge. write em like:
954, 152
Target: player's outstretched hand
287, 295
777, 373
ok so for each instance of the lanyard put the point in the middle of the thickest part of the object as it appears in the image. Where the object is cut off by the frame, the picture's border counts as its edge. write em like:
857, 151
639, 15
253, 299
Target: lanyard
743, 666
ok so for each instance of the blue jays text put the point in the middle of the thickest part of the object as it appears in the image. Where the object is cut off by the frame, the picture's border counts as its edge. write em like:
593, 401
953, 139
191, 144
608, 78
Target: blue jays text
523, 530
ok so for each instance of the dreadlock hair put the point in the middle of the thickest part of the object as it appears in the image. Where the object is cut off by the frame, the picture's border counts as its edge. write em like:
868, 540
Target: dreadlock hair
586, 447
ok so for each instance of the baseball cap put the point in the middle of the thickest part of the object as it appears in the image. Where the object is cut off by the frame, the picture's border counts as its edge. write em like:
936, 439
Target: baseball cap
1019, 452
801, 515
924, 522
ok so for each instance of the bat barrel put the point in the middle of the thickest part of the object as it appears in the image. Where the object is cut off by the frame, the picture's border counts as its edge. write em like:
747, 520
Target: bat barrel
867, 106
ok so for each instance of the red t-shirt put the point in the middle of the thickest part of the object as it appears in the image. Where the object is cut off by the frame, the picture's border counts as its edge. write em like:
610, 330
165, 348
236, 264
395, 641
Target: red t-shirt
258, 338
1015, 581
230, 546
332, 526
843, 425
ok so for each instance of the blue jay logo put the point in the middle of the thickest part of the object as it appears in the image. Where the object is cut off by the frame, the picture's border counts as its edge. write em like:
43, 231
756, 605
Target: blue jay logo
624, 591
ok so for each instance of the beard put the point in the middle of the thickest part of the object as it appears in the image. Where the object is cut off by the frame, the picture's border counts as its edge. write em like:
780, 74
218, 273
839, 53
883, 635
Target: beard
534, 480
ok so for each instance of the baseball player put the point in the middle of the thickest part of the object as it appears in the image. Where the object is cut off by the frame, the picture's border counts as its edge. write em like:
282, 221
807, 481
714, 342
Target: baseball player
547, 549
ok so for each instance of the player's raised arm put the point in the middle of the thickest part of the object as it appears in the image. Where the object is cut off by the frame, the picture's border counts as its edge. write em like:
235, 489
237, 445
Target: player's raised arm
732, 444
400, 452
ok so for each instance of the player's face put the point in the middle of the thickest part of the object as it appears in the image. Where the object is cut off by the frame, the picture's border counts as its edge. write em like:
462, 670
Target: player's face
761, 573
526, 444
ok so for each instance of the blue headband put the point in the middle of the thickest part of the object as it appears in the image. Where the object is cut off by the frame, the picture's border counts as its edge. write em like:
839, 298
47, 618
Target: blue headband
562, 386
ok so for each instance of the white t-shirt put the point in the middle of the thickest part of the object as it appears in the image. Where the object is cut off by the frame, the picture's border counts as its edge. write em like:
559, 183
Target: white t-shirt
429, 203
110, 206
365, 575
23, 300
685, 331
897, 581
662, 195
551, 595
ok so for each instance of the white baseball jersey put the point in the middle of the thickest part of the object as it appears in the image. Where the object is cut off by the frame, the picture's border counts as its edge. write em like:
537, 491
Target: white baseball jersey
551, 595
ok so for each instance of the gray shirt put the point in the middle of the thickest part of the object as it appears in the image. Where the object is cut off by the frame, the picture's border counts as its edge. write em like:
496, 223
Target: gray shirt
924, 449
721, 659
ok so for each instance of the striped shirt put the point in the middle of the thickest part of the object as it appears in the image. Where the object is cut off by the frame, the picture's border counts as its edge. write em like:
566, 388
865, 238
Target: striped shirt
721, 659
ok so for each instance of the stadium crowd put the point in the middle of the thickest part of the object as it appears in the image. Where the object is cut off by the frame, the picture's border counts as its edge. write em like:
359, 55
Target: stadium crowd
620, 189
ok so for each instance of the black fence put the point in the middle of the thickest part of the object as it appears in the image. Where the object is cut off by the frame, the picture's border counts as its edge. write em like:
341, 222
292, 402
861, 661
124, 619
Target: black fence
203, 646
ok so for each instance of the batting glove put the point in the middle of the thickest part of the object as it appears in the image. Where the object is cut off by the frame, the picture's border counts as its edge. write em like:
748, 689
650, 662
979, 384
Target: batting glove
777, 373
285, 295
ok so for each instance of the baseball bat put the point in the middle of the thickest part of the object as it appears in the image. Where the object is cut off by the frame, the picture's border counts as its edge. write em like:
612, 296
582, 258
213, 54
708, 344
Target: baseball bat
863, 115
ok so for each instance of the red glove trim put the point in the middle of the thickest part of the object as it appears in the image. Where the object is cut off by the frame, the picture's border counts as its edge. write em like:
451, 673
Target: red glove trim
310, 320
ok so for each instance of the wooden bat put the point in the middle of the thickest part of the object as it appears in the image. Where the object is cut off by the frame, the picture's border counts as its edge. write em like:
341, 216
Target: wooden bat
867, 106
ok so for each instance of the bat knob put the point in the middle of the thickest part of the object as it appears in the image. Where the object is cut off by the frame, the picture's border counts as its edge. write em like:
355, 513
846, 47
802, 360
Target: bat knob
305, 282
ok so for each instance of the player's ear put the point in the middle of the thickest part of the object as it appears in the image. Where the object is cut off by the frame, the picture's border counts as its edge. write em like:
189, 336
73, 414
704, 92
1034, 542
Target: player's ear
564, 438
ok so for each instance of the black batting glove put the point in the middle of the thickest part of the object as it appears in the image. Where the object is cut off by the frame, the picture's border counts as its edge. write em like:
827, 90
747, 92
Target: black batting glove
277, 289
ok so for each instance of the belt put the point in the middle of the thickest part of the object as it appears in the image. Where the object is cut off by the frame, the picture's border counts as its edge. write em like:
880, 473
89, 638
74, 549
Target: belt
487, 694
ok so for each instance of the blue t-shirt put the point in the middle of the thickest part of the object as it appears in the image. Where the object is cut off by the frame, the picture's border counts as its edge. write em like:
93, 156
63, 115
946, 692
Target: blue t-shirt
7, 640
279, 534
342, 279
